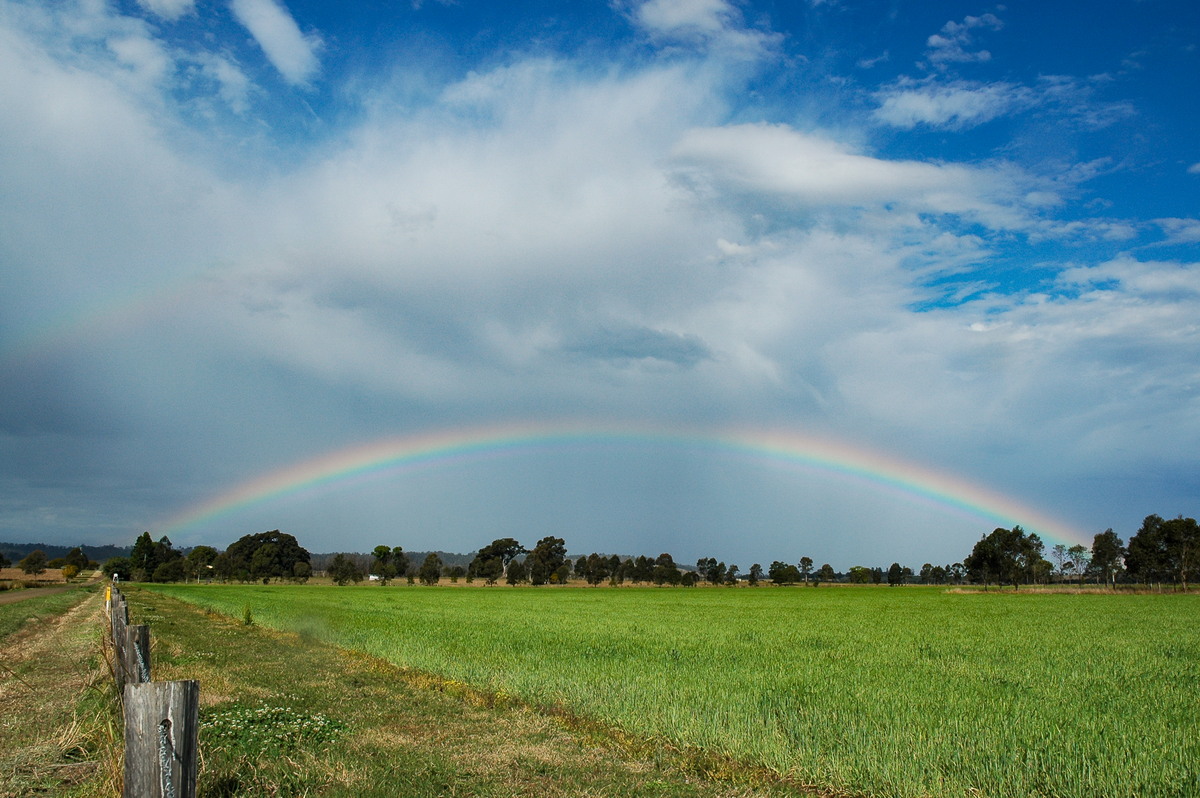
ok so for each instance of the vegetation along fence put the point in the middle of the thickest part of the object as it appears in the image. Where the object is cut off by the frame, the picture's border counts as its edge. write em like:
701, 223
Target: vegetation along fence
162, 719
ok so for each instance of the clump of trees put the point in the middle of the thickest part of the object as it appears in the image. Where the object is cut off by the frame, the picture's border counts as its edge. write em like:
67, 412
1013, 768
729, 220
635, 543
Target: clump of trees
1008, 557
1164, 551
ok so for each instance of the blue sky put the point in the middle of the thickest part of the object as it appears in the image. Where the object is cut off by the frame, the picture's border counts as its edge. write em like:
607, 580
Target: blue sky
238, 235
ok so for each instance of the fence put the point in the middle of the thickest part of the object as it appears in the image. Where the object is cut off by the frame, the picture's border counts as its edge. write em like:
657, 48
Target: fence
162, 719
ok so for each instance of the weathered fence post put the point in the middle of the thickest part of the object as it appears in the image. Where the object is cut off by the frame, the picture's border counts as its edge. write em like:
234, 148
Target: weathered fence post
136, 655
162, 724
120, 623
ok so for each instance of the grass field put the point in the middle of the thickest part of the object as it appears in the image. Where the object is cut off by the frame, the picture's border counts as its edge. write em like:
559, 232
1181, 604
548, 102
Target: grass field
876, 691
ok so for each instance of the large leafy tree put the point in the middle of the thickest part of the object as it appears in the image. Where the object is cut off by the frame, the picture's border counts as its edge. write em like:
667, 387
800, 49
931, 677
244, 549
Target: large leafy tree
382, 566
782, 573
546, 559
1007, 557
492, 561
200, 562
1164, 550
152, 560
34, 562
265, 556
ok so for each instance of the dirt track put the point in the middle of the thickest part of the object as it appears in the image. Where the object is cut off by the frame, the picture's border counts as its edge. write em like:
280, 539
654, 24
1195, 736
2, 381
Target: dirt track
10, 596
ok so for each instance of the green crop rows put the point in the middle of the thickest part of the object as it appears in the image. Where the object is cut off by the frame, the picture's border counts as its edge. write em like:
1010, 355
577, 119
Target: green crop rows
876, 691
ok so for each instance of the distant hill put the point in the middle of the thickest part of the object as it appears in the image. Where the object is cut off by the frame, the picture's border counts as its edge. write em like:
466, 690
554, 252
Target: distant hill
15, 552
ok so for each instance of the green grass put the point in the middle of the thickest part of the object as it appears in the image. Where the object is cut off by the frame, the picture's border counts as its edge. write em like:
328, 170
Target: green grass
884, 692
287, 715
18, 614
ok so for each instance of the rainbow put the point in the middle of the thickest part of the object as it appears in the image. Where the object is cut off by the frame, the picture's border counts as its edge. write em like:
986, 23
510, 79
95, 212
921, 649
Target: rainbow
441, 449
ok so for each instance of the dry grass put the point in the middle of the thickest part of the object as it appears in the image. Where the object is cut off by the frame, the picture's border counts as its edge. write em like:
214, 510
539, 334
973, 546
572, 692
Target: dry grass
58, 727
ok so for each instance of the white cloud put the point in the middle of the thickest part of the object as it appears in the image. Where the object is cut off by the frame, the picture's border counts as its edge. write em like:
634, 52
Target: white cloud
235, 87
1194, 169
713, 24
169, 9
148, 62
811, 170
289, 50
952, 43
957, 105
1180, 231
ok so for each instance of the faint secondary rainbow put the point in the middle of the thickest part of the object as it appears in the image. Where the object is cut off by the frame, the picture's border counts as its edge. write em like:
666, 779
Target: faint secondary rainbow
441, 449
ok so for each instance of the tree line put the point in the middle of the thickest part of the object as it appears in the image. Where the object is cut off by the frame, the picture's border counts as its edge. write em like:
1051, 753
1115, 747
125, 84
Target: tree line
1161, 552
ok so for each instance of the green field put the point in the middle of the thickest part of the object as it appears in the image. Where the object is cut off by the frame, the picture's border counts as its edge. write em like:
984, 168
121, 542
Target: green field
875, 691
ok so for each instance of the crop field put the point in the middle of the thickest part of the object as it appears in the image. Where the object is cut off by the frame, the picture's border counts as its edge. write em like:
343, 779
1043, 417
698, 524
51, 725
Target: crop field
869, 691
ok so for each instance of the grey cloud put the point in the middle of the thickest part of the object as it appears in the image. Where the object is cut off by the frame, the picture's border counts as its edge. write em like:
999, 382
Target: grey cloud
640, 343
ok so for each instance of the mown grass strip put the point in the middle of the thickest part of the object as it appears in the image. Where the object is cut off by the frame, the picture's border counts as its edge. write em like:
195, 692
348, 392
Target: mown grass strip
34, 607
59, 724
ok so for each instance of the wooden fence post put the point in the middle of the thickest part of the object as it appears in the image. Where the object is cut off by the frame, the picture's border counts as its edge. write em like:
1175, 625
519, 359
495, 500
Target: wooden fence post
162, 724
120, 622
136, 660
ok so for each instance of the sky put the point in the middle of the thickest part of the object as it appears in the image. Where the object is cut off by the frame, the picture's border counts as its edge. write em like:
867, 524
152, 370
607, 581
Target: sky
430, 273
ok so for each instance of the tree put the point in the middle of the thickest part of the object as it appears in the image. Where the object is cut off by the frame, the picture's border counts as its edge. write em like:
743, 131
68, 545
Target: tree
895, 575
712, 571
342, 570
666, 571
382, 565
756, 575
642, 570
1146, 558
118, 566
1163, 550
491, 562
806, 566
1080, 558
267, 556
860, 575
34, 562
1059, 553
4, 562
782, 573
431, 570
517, 573
69, 571
1006, 556
1183, 547
77, 558
825, 573
399, 561
1107, 552
301, 571
172, 570
544, 562
596, 569
141, 558
199, 561
731, 575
